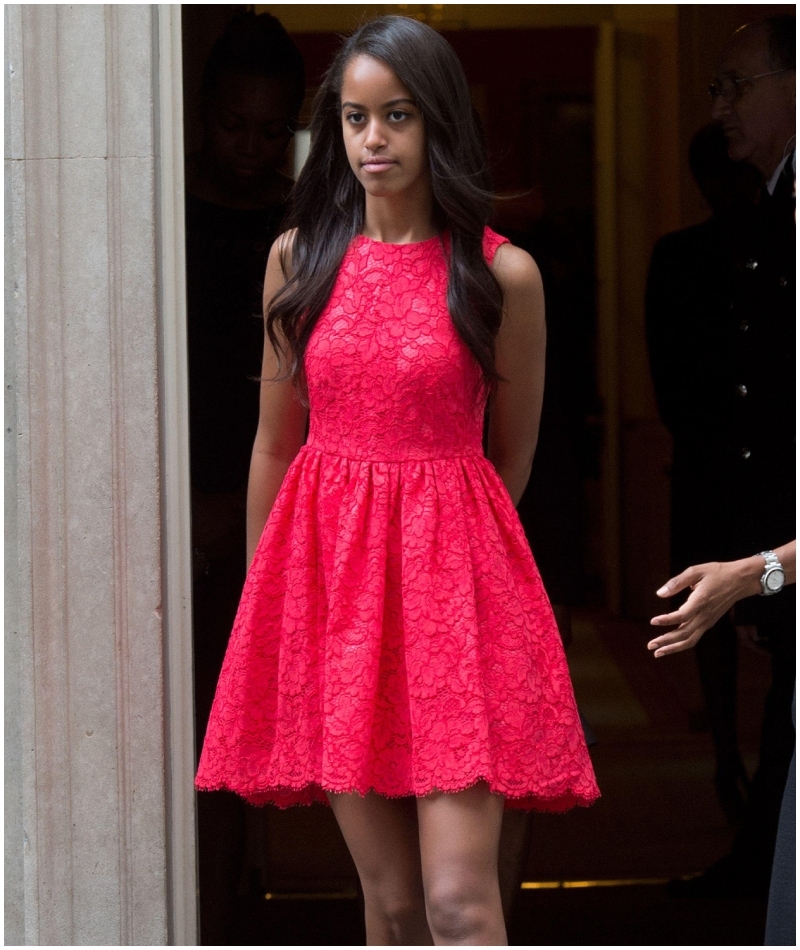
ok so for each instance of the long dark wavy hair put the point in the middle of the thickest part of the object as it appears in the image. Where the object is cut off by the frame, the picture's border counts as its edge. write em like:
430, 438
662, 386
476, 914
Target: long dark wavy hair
328, 201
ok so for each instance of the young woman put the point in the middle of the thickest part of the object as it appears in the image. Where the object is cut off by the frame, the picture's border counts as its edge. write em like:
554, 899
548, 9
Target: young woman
394, 654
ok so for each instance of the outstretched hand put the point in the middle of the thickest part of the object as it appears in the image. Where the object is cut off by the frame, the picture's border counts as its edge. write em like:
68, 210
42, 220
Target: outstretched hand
715, 588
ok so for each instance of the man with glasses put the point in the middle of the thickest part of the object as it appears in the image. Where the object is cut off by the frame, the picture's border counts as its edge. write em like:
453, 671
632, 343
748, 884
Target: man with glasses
753, 438
753, 96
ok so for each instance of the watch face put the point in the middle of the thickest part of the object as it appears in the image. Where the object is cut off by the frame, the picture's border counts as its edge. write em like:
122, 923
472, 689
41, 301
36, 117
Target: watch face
775, 579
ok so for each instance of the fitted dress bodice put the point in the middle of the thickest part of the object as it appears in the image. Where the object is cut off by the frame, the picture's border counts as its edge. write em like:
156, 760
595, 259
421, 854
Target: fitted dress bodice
389, 379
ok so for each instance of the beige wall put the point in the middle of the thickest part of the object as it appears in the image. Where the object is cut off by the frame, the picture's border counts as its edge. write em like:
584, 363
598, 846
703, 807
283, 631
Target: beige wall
99, 825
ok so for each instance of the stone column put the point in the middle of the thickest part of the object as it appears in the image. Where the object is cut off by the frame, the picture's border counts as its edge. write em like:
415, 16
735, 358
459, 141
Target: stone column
99, 846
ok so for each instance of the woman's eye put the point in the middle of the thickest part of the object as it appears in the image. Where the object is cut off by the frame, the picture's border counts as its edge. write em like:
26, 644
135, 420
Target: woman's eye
354, 118
397, 115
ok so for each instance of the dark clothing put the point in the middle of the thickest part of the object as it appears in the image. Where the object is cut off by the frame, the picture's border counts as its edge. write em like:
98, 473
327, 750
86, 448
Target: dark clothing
781, 910
754, 845
226, 256
717, 655
721, 336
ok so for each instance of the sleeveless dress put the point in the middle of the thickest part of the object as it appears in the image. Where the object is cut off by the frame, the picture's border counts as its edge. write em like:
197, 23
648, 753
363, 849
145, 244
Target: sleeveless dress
393, 633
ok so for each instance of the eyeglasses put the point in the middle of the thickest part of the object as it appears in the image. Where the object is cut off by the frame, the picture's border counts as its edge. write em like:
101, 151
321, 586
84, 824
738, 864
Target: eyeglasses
729, 88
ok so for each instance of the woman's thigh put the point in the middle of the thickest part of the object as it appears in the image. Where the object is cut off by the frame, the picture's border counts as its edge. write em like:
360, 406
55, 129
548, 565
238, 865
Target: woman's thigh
382, 835
460, 829
459, 832
459, 835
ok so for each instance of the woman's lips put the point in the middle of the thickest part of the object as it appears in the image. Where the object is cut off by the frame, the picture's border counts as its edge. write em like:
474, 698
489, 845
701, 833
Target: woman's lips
377, 164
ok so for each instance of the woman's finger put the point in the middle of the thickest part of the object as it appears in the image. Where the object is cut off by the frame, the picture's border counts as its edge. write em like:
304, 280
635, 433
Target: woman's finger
678, 647
689, 610
674, 636
669, 620
681, 581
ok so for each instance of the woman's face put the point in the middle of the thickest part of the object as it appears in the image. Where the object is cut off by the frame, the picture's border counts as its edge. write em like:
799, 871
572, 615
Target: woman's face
384, 135
247, 130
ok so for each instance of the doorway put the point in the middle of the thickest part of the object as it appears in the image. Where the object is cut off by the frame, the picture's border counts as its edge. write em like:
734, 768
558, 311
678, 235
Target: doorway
534, 89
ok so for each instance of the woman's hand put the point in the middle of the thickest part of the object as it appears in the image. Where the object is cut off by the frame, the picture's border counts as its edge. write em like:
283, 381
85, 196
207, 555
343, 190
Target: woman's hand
715, 588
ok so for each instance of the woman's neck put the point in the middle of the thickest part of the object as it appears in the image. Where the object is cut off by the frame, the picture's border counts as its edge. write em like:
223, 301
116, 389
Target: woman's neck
399, 219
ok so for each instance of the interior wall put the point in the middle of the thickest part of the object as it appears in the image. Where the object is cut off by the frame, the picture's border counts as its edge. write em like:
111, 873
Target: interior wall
647, 206
309, 17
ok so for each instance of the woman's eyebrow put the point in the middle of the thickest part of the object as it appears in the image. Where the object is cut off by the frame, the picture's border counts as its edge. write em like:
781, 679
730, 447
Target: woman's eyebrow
391, 102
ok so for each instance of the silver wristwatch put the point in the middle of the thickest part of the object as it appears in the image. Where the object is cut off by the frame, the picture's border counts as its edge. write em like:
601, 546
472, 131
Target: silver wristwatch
774, 576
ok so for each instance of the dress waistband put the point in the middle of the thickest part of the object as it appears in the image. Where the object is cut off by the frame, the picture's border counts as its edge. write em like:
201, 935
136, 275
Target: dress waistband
392, 460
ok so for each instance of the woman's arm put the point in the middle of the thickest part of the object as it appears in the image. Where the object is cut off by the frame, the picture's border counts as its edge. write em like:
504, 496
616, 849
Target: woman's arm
715, 589
519, 354
281, 420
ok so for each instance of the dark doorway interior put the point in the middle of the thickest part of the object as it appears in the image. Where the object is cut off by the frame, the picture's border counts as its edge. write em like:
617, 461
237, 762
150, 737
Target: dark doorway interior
534, 90
238, 129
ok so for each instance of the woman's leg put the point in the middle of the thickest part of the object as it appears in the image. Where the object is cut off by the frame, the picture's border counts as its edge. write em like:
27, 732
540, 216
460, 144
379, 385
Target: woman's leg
383, 838
459, 836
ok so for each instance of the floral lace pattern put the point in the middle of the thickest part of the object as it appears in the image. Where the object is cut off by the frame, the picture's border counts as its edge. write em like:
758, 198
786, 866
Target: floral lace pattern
393, 633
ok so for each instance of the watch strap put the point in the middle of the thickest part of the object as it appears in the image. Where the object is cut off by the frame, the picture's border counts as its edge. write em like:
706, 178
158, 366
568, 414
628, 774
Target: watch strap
771, 566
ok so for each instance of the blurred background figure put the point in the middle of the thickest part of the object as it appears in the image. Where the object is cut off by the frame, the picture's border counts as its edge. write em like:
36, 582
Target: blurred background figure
252, 90
721, 334
694, 362
253, 86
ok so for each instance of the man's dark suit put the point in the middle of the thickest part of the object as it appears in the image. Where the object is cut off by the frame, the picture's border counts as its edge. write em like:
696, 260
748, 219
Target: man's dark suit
721, 336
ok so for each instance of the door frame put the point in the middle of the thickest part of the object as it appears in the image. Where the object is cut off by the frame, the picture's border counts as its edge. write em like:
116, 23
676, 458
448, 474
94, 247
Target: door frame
181, 837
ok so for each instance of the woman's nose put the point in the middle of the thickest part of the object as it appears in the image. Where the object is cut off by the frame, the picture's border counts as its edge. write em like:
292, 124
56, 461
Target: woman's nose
375, 137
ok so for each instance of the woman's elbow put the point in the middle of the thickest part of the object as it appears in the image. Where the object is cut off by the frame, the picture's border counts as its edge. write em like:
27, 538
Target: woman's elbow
514, 473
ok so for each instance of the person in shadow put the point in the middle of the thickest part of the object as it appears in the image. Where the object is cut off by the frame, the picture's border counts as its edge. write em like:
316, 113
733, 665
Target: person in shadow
721, 333
693, 361
252, 90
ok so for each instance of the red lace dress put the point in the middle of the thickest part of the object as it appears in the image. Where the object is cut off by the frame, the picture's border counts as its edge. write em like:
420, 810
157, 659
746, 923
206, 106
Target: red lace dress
393, 633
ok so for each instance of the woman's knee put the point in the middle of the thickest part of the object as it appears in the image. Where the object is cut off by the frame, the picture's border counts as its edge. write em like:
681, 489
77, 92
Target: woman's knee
456, 910
398, 909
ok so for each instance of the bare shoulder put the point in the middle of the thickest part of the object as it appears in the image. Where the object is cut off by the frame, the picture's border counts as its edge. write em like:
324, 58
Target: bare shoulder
285, 241
280, 254
279, 267
523, 295
516, 270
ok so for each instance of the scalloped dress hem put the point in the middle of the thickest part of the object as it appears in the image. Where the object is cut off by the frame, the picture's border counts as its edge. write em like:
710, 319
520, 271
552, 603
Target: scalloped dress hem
284, 797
